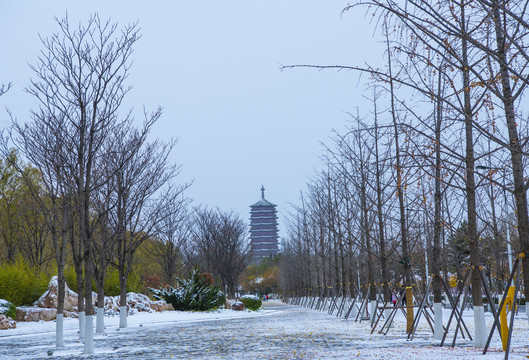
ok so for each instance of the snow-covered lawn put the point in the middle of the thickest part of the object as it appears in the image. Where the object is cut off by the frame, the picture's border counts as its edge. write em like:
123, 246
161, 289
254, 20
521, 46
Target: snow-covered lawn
277, 332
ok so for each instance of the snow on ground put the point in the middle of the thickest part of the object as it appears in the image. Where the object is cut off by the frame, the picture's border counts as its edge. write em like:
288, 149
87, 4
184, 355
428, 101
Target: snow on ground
140, 318
277, 332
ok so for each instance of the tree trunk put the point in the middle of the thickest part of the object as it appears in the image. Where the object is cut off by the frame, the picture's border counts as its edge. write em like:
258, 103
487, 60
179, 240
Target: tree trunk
436, 256
100, 320
470, 188
381, 236
80, 302
89, 305
122, 296
60, 300
520, 194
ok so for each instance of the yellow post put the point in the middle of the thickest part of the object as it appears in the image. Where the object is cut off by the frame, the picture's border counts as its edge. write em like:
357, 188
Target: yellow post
409, 310
503, 326
503, 317
510, 297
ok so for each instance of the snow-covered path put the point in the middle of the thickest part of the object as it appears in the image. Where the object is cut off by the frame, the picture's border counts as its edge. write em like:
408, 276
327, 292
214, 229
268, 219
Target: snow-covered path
278, 332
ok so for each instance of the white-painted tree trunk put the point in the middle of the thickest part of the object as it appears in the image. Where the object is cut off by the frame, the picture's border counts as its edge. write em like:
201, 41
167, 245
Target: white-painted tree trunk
387, 314
354, 312
100, 321
337, 304
59, 331
438, 321
89, 335
372, 311
81, 325
480, 328
122, 316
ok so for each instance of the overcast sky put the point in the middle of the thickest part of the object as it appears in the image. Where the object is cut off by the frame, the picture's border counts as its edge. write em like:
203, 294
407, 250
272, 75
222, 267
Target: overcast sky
214, 68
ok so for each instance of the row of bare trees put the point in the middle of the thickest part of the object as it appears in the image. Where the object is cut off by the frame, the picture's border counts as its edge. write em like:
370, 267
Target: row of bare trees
96, 187
103, 187
448, 103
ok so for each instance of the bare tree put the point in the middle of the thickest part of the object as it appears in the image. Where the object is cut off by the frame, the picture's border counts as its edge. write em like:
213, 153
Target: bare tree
510, 46
173, 234
380, 202
220, 245
80, 84
143, 189
40, 143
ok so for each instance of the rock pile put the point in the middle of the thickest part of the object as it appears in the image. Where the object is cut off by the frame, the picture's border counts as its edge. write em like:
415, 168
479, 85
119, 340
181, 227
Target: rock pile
45, 308
135, 302
7, 323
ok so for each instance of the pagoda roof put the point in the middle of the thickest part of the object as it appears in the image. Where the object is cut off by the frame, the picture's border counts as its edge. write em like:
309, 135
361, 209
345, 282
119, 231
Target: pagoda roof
262, 202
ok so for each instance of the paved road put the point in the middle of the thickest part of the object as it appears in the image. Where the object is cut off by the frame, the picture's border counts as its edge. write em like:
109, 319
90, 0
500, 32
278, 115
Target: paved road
288, 333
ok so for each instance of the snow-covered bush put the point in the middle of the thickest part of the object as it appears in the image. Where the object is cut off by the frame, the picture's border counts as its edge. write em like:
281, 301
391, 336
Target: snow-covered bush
8, 309
251, 302
197, 294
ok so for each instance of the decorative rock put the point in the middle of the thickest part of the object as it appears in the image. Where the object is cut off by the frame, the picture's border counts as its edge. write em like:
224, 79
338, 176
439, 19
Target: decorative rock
7, 323
21, 313
31, 313
227, 305
237, 306
45, 308
50, 296
70, 314
48, 314
160, 305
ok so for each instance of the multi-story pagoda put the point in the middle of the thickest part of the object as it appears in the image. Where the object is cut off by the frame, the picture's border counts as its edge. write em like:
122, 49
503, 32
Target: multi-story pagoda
263, 229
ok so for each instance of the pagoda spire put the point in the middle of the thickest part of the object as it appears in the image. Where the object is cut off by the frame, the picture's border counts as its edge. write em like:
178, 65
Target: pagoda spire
262, 191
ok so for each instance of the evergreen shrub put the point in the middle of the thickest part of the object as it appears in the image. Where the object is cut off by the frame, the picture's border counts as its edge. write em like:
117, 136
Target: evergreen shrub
8, 309
251, 302
198, 293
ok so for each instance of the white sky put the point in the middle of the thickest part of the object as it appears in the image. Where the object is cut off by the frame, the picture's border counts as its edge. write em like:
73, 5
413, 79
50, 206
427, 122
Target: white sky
214, 68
